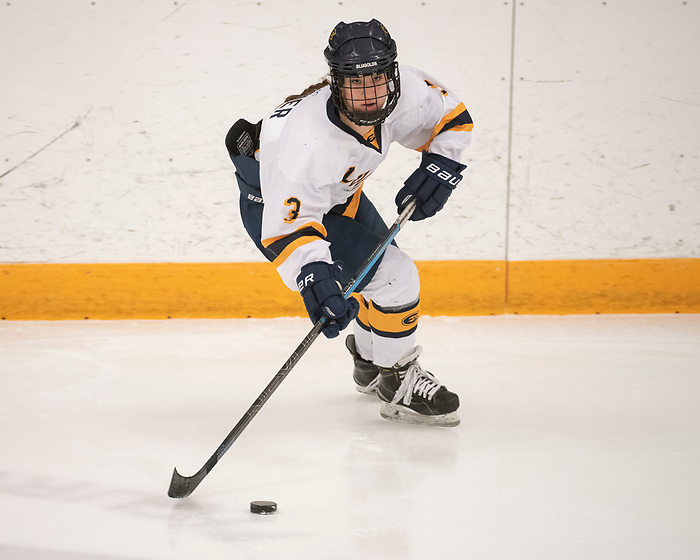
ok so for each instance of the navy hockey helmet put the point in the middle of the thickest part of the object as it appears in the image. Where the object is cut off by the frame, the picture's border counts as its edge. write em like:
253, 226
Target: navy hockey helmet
364, 73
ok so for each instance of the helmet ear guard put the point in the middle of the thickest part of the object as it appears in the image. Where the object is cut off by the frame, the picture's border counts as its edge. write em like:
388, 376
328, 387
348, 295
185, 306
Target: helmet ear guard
357, 50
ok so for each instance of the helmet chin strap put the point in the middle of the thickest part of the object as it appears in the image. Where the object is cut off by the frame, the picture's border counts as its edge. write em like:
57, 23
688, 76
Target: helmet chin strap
366, 118
353, 124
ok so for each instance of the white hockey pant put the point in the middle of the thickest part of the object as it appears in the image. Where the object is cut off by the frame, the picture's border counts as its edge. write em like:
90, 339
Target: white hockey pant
395, 289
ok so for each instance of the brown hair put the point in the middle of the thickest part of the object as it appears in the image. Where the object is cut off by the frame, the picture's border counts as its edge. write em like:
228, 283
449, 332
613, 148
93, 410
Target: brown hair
309, 90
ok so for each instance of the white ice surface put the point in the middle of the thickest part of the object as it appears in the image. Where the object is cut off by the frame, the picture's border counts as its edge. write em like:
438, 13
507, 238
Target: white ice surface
580, 439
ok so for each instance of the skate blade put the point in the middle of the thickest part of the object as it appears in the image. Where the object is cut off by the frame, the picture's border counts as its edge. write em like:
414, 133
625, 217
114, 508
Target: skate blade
399, 413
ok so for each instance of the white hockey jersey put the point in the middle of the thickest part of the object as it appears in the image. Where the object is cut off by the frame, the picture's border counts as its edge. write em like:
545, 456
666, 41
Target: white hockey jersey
310, 161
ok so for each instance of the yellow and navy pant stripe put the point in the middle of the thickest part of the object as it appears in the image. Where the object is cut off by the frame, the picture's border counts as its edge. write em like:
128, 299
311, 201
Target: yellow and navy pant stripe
395, 322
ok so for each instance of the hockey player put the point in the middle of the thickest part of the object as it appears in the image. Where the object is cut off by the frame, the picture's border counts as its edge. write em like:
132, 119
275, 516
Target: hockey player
301, 171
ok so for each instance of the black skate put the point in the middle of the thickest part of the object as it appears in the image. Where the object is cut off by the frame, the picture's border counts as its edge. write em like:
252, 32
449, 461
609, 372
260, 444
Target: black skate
365, 373
412, 394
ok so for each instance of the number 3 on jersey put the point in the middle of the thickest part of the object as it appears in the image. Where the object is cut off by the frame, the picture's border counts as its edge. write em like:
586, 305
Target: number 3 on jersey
293, 211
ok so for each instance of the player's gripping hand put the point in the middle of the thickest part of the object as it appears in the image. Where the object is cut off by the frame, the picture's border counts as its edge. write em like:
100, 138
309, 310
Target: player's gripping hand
319, 285
432, 183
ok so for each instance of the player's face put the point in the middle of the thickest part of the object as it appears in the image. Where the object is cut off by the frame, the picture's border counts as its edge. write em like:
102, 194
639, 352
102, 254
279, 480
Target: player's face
365, 94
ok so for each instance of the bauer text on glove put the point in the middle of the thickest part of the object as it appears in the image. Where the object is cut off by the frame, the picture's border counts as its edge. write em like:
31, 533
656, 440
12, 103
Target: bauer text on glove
432, 183
319, 285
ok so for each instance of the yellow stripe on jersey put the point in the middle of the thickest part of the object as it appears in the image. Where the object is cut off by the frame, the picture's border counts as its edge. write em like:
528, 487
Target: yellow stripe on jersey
462, 127
320, 228
284, 245
293, 246
354, 203
394, 323
446, 120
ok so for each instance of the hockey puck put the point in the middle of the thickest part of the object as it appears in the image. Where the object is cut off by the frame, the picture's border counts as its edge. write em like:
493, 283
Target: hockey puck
263, 508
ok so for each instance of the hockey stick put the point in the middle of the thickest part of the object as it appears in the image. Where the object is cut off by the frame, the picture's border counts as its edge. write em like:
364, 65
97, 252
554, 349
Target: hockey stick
183, 486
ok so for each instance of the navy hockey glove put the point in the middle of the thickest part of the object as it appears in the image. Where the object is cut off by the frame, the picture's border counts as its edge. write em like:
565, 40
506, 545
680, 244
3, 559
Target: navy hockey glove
432, 183
319, 285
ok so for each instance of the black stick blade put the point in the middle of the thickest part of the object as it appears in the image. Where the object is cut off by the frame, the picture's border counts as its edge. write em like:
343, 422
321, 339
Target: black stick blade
183, 486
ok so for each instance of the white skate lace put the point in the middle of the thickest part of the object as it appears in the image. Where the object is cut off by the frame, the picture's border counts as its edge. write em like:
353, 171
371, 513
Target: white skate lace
372, 385
416, 381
